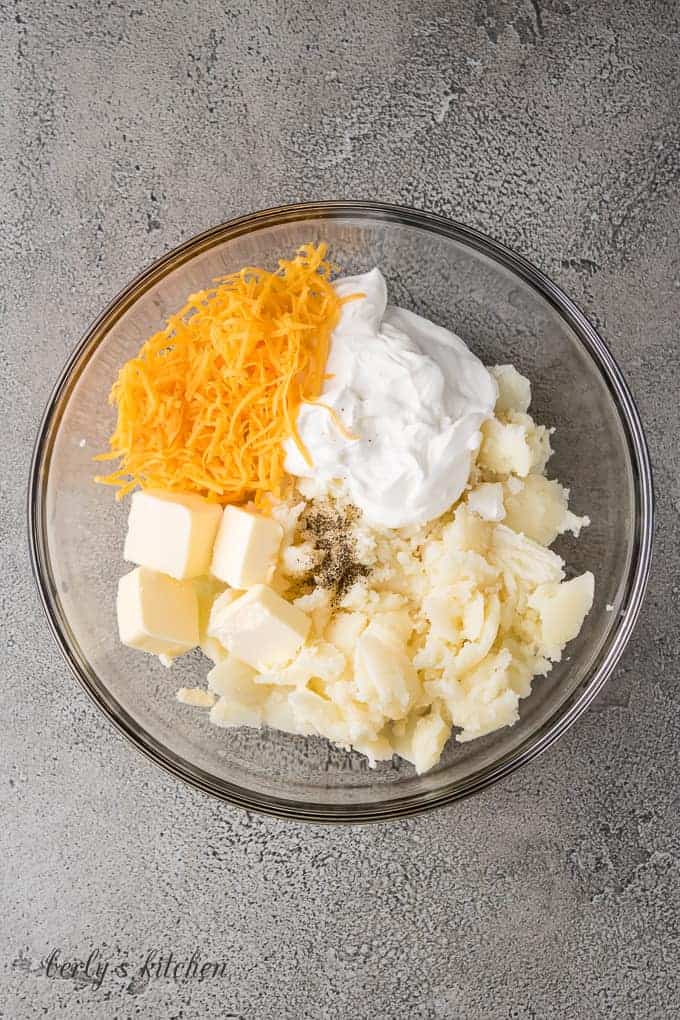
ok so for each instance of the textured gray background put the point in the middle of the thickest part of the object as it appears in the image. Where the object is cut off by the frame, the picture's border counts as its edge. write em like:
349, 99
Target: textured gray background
126, 128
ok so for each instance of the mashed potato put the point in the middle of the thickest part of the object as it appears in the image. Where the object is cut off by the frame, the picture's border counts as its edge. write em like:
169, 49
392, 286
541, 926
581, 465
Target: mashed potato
445, 626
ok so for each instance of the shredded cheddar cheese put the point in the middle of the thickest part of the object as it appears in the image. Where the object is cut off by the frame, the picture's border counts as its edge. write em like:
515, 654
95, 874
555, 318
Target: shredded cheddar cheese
207, 402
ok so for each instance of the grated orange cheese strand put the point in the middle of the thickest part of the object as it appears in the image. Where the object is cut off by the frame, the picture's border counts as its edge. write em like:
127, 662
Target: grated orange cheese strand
337, 420
207, 402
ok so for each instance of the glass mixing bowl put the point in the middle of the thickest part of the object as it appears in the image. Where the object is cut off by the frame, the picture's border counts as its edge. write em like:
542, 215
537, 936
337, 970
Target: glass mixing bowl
506, 311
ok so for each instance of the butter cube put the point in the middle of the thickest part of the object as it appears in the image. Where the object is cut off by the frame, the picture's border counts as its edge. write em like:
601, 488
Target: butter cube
156, 613
246, 548
172, 532
260, 628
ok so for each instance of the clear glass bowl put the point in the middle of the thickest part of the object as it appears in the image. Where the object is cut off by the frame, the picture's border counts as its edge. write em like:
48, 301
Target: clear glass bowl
507, 311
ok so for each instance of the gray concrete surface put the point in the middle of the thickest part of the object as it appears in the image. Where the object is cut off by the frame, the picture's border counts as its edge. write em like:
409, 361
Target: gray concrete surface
125, 128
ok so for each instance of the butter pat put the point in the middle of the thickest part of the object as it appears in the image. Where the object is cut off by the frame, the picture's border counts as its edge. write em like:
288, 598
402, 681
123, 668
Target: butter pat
260, 628
246, 548
156, 613
172, 532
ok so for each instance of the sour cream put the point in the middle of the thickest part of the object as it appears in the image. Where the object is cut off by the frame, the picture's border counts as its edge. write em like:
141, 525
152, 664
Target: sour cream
411, 394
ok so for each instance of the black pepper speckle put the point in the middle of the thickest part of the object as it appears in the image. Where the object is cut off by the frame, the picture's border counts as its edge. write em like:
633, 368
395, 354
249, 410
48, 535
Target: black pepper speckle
330, 529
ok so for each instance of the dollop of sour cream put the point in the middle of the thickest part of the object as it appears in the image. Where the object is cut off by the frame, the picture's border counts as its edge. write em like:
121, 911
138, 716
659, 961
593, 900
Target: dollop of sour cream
411, 394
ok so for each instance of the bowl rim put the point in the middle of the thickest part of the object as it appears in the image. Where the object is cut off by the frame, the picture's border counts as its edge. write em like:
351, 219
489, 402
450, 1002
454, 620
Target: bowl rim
363, 811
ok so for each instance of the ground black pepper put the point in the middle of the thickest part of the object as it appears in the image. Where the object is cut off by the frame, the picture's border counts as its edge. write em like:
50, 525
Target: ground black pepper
329, 529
